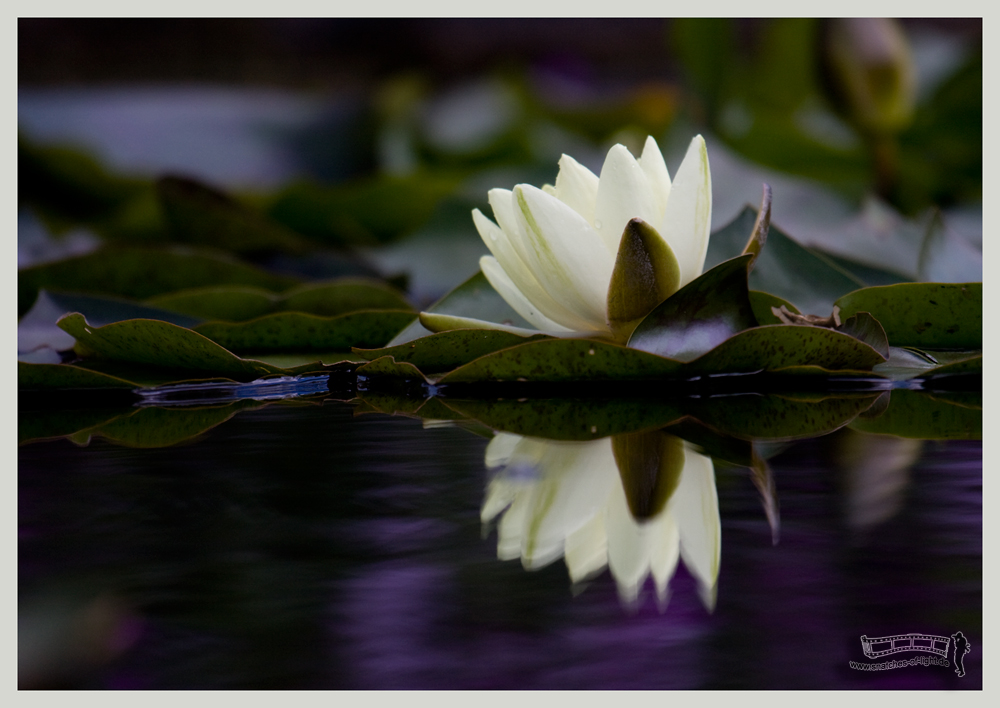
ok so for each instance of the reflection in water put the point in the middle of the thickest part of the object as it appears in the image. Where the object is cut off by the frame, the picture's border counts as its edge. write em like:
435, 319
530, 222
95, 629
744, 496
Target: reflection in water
877, 472
567, 499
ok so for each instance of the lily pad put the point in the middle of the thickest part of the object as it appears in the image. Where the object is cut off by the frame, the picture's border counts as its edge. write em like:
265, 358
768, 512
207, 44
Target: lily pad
162, 427
920, 415
924, 315
761, 304
475, 298
369, 211
867, 329
768, 348
569, 419
141, 273
699, 316
341, 296
65, 376
445, 351
48, 423
297, 331
906, 364
160, 344
785, 268
232, 303
773, 417
198, 214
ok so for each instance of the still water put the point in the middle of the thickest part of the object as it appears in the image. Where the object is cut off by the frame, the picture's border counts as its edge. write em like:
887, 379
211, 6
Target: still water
300, 545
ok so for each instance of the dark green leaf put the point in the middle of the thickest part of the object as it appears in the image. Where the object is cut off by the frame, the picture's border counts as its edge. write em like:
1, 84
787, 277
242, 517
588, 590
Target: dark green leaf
773, 417
141, 273
160, 344
162, 427
568, 419
370, 211
232, 303
921, 415
342, 296
867, 329
565, 360
699, 316
386, 366
65, 376
924, 315
296, 331
445, 351
198, 214
761, 303
775, 347
100, 311
793, 272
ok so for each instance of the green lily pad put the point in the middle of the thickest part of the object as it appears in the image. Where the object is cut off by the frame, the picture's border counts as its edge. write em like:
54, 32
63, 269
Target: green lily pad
785, 268
761, 304
104, 310
65, 376
906, 364
445, 351
342, 296
775, 347
297, 331
768, 348
69, 183
160, 344
568, 419
867, 329
564, 360
775, 417
924, 315
369, 211
198, 214
699, 316
387, 367
920, 415
232, 303
51, 423
474, 298
141, 273
162, 427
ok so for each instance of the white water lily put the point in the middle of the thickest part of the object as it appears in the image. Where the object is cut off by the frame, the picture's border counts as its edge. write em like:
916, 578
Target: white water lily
566, 499
555, 248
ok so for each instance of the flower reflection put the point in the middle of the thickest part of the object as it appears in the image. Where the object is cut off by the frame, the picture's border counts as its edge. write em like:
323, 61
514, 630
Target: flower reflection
636, 504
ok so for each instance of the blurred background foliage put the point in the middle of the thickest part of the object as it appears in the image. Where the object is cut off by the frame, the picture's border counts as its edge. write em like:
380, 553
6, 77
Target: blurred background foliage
317, 149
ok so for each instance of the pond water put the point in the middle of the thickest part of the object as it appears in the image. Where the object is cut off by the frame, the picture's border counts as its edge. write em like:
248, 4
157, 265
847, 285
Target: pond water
299, 545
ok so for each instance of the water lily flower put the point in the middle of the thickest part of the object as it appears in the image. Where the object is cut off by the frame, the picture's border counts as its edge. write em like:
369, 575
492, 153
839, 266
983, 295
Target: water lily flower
566, 499
558, 253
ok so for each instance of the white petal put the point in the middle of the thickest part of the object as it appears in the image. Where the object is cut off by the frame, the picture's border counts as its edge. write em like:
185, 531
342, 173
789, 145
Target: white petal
628, 547
499, 495
565, 254
655, 168
576, 186
500, 449
502, 283
574, 484
587, 550
664, 552
623, 194
437, 322
519, 274
695, 506
687, 221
